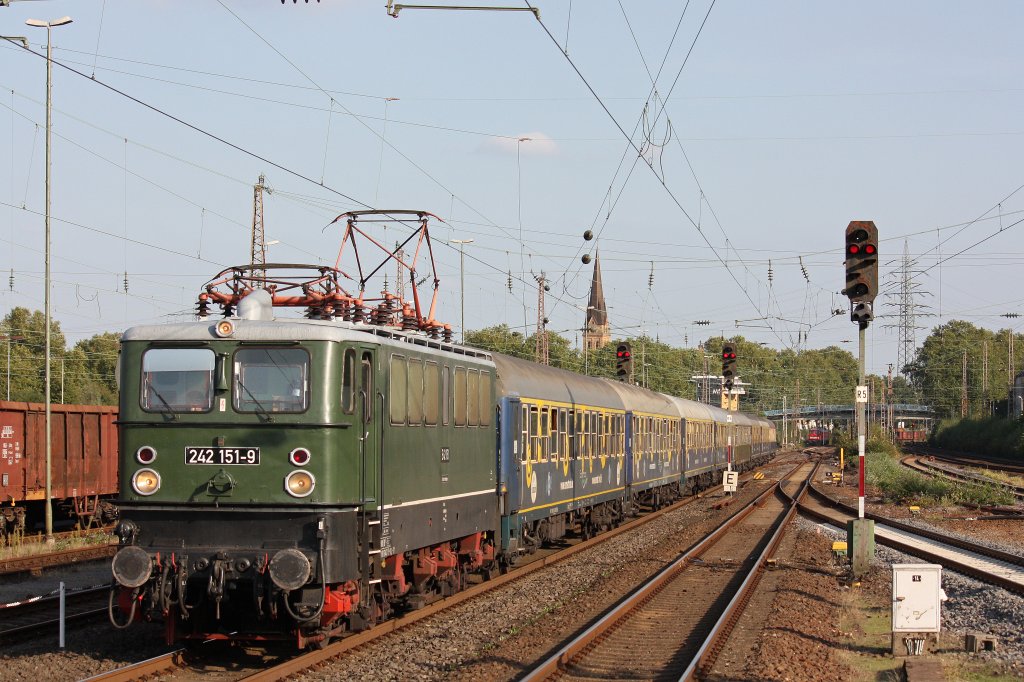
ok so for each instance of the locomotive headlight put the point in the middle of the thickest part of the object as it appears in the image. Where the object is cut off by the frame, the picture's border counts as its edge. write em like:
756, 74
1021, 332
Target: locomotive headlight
146, 454
146, 481
299, 457
224, 328
299, 483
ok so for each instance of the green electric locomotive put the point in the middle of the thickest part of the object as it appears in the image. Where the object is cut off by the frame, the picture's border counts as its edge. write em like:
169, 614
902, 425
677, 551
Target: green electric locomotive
265, 473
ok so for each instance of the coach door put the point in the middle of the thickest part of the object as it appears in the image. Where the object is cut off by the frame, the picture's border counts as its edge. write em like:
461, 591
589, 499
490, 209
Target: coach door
369, 413
528, 455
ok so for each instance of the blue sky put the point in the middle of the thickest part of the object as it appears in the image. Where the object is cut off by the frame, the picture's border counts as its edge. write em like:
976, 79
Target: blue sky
795, 118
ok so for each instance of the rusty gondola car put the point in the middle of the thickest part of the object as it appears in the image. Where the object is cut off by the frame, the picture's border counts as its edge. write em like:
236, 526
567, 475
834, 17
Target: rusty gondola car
83, 455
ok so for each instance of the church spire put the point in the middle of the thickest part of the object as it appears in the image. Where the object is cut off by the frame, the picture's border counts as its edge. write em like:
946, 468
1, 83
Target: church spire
596, 333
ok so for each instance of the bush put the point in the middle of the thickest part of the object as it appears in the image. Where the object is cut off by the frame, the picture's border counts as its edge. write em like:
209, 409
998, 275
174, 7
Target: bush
877, 441
993, 436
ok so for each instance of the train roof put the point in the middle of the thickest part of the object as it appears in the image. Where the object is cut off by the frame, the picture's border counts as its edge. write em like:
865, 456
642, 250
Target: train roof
529, 379
296, 329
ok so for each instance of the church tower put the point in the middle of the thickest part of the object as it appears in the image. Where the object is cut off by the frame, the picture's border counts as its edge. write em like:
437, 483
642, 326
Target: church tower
596, 333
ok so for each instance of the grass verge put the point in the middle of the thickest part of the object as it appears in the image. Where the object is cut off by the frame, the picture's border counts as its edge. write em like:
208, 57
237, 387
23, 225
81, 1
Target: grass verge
901, 485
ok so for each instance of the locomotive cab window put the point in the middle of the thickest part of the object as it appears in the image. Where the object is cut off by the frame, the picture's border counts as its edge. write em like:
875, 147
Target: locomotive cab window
177, 380
348, 385
271, 380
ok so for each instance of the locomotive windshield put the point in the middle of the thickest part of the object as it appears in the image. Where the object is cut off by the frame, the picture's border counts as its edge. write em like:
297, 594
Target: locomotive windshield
271, 380
177, 379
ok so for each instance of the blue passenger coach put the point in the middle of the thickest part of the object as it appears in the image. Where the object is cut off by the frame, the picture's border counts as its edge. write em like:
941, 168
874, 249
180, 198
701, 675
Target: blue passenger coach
578, 453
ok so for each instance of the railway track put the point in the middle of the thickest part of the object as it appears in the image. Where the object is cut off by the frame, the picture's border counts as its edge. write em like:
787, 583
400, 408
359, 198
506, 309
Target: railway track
984, 563
31, 618
948, 469
1007, 464
34, 563
682, 617
189, 664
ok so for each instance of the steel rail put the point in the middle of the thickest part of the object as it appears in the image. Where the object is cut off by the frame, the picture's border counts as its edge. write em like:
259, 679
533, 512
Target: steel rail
1003, 463
931, 468
706, 656
35, 562
143, 669
960, 566
585, 639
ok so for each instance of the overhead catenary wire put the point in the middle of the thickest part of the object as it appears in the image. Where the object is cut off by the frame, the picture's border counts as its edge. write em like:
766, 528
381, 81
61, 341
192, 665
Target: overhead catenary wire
671, 194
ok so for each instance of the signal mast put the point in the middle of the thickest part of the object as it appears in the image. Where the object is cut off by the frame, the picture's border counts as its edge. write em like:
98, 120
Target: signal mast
861, 288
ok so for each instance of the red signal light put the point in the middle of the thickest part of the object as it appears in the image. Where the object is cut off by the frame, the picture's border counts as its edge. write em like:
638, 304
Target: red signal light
853, 249
870, 249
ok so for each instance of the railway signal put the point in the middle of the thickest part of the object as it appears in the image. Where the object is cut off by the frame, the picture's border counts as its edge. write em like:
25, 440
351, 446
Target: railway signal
624, 362
861, 269
861, 263
729, 365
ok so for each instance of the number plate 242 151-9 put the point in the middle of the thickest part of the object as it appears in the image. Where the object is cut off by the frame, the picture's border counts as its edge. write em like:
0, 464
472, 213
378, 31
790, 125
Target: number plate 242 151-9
222, 455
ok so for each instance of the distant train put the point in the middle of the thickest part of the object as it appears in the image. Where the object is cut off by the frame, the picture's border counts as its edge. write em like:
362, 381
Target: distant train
83, 456
818, 436
912, 435
300, 478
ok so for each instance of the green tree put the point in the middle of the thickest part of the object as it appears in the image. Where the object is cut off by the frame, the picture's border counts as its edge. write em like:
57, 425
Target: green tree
501, 339
92, 370
27, 367
86, 373
937, 372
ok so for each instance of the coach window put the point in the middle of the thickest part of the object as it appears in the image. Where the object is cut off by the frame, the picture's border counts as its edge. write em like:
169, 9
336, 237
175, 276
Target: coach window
545, 435
592, 435
577, 433
415, 392
177, 379
563, 433
602, 434
399, 389
446, 395
486, 406
430, 388
271, 380
585, 436
348, 382
553, 444
473, 393
524, 443
534, 434
460, 396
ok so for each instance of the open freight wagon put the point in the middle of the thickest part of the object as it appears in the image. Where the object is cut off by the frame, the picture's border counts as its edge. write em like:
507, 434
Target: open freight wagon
83, 464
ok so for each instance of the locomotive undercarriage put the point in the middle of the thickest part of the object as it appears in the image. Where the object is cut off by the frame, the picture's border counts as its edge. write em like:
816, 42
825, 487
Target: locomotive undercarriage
329, 582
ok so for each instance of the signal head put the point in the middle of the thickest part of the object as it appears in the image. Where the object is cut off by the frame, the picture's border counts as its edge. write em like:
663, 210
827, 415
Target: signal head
861, 261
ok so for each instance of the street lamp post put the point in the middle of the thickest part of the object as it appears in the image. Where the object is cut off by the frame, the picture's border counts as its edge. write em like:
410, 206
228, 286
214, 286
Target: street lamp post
48, 25
462, 279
